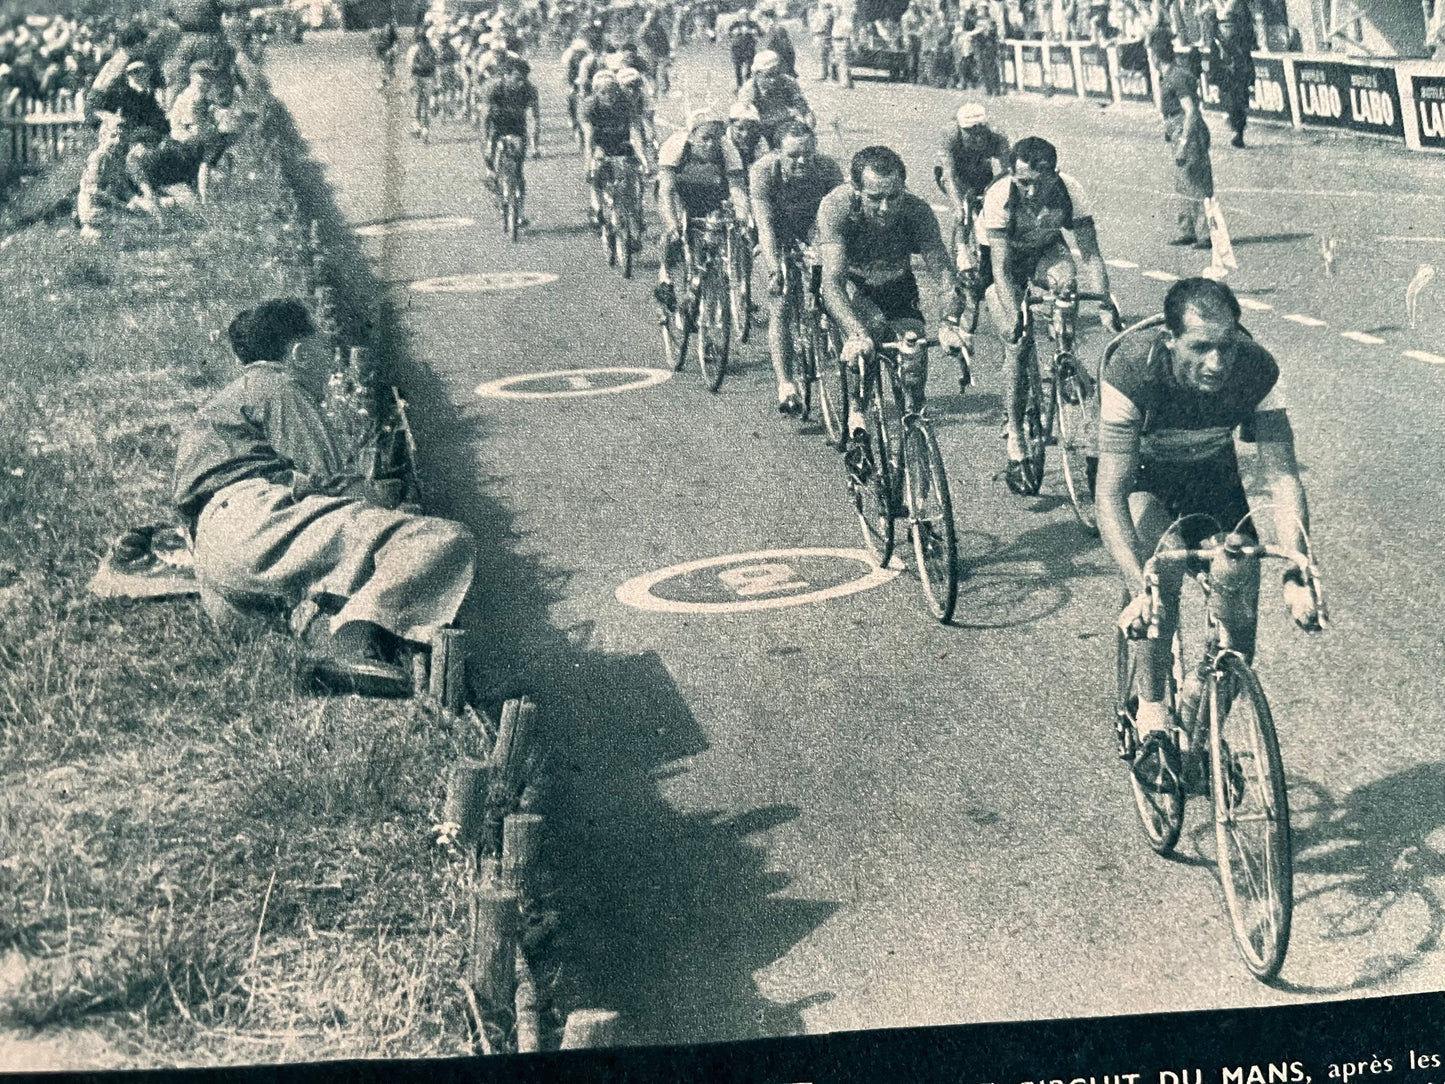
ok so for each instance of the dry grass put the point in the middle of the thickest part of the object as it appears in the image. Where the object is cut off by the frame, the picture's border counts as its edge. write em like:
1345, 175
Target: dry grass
197, 859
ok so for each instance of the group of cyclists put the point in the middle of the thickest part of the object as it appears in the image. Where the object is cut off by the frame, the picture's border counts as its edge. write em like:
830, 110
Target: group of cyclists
1169, 401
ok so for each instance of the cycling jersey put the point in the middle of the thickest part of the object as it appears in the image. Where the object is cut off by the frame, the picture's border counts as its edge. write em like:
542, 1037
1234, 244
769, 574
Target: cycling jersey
612, 119
1032, 225
792, 205
701, 185
875, 255
972, 156
507, 107
782, 99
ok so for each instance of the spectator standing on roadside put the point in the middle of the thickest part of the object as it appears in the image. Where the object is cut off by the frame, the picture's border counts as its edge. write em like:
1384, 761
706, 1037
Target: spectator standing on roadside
776, 37
1187, 135
1234, 63
821, 23
984, 47
743, 36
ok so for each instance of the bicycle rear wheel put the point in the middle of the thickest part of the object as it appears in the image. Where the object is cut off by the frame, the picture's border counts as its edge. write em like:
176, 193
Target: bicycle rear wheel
714, 326
930, 509
1251, 816
873, 499
1073, 413
832, 388
1161, 811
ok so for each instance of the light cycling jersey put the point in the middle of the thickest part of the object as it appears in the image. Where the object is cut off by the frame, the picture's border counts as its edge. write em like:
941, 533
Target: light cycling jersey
1031, 225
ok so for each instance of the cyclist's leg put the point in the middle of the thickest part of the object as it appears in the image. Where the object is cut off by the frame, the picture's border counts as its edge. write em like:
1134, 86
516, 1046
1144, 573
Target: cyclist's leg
780, 336
600, 172
1013, 381
1153, 656
673, 265
871, 316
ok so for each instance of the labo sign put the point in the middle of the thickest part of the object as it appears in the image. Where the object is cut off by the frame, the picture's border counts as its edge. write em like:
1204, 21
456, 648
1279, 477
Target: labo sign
1359, 97
1268, 98
1429, 103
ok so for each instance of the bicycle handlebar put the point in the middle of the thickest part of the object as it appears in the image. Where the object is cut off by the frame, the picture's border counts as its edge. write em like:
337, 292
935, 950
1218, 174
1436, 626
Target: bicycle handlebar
1231, 547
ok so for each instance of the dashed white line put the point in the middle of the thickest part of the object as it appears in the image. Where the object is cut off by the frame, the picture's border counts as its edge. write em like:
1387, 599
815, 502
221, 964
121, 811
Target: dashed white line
1421, 355
1307, 321
1162, 276
1127, 265
1407, 237
1253, 305
1362, 337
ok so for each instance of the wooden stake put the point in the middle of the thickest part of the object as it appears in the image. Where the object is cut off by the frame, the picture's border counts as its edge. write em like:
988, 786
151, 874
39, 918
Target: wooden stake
492, 967
529, 1025
466, 801
590, 1028
521, 839
448, 686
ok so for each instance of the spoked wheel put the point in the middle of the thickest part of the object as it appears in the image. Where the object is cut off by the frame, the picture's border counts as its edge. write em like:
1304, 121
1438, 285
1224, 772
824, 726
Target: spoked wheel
1161, 809
1032, 435
806, 362
873, 498
714, 327
676, 333
832, 387
1251, 816
740, 284
930, 511
1073, 413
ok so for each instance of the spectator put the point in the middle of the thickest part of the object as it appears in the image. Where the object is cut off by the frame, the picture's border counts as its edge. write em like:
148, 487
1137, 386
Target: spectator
279, 517
1187, 134
743, 36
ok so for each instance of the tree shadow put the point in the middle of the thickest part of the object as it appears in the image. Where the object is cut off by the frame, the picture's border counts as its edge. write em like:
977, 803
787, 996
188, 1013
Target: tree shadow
666, 915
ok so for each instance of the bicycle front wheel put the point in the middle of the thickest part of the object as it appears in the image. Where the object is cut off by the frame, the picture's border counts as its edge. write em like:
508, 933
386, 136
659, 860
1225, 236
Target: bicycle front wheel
873, 499
832, 387
1032, 434
1073, 411
930, 512
1251, 816
714, 327
1161, 809
740, 284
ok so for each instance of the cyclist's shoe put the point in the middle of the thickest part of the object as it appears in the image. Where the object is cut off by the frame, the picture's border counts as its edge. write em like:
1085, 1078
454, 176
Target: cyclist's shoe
858, 459
965, 374
1015, 478
1156, 764
665, 295
790, 403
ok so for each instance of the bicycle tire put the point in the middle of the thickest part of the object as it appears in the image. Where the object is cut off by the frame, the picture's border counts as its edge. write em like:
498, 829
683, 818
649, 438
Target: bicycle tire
1161, 813
713, 326
1072, 415
622, 244
740, 287
805, 361
609, 233
1032, 435
677, 327
832, 387
872, 500
1248, 786
930, 508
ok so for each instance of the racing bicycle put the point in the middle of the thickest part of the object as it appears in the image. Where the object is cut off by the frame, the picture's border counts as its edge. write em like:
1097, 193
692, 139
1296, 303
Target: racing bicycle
622, 211
1229, 753
703, 312
507, 170
815, 348
905, 454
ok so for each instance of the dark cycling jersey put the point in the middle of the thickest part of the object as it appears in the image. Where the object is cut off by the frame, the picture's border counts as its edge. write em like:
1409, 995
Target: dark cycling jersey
972, 156
507, 107
875, 255
612, 120
792, 204
702, 185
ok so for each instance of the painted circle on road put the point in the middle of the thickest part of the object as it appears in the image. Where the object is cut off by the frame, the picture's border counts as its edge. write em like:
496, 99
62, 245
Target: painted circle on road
486, 282
761, 580
573, 383
414, 225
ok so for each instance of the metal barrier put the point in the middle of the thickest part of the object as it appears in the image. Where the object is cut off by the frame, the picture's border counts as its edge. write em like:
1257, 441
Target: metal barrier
36, 131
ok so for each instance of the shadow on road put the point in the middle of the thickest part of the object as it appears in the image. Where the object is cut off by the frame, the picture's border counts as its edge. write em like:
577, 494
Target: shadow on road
665, 916
1025, 581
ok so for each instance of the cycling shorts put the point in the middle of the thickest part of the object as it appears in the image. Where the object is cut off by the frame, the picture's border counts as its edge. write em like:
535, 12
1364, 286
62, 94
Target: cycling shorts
1210, 490
881, 306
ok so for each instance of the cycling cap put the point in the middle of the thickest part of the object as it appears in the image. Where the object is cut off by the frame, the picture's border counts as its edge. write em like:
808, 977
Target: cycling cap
699, 117
578, 43
744, 111
602, 77
628, 76
971, 115
767, 61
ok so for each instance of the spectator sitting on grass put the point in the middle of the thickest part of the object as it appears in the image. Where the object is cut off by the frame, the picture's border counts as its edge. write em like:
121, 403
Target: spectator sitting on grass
278, 516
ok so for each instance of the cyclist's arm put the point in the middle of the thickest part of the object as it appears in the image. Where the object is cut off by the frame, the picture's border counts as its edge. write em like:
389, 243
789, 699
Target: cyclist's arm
1087, 237
1279, 473
1008, 296
668, 203
738, 191
534, 110
939, 264
1119, 421
835, 289
586, 126
768, 252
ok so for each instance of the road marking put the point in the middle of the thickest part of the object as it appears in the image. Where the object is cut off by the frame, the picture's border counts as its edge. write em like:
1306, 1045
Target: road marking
1373, 198
1429, 240
1307, 321
1162, 276
579, 382
1420, 355
1253, 305
415, 225
1362, 337
1127, 265
485, 283
749, 582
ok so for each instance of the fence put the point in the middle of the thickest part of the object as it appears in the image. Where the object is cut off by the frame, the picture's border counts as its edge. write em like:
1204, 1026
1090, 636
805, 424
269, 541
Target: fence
37, 131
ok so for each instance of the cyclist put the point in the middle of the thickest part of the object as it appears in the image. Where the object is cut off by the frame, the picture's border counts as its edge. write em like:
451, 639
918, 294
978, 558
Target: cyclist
656, 47
698, 172
972, 155
634, 83
572, 60
383, 42
745, 132
611, 128
1170, 403
1023, 215
421, 61
786, 186
510, 100
867, 233
775, 95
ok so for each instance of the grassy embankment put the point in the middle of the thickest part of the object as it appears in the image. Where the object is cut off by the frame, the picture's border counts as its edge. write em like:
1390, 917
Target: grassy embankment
199, 861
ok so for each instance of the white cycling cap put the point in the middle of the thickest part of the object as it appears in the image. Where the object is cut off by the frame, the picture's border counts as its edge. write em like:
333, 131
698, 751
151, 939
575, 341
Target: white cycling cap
698, 117
744, 111
971, 115
628, 76
767, 61
602, 77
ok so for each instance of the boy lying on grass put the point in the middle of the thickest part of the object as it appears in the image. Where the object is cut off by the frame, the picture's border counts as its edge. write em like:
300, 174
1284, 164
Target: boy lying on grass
279, 517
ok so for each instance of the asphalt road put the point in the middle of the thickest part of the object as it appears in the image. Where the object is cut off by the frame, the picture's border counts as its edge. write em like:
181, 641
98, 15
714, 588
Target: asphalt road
841, 814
